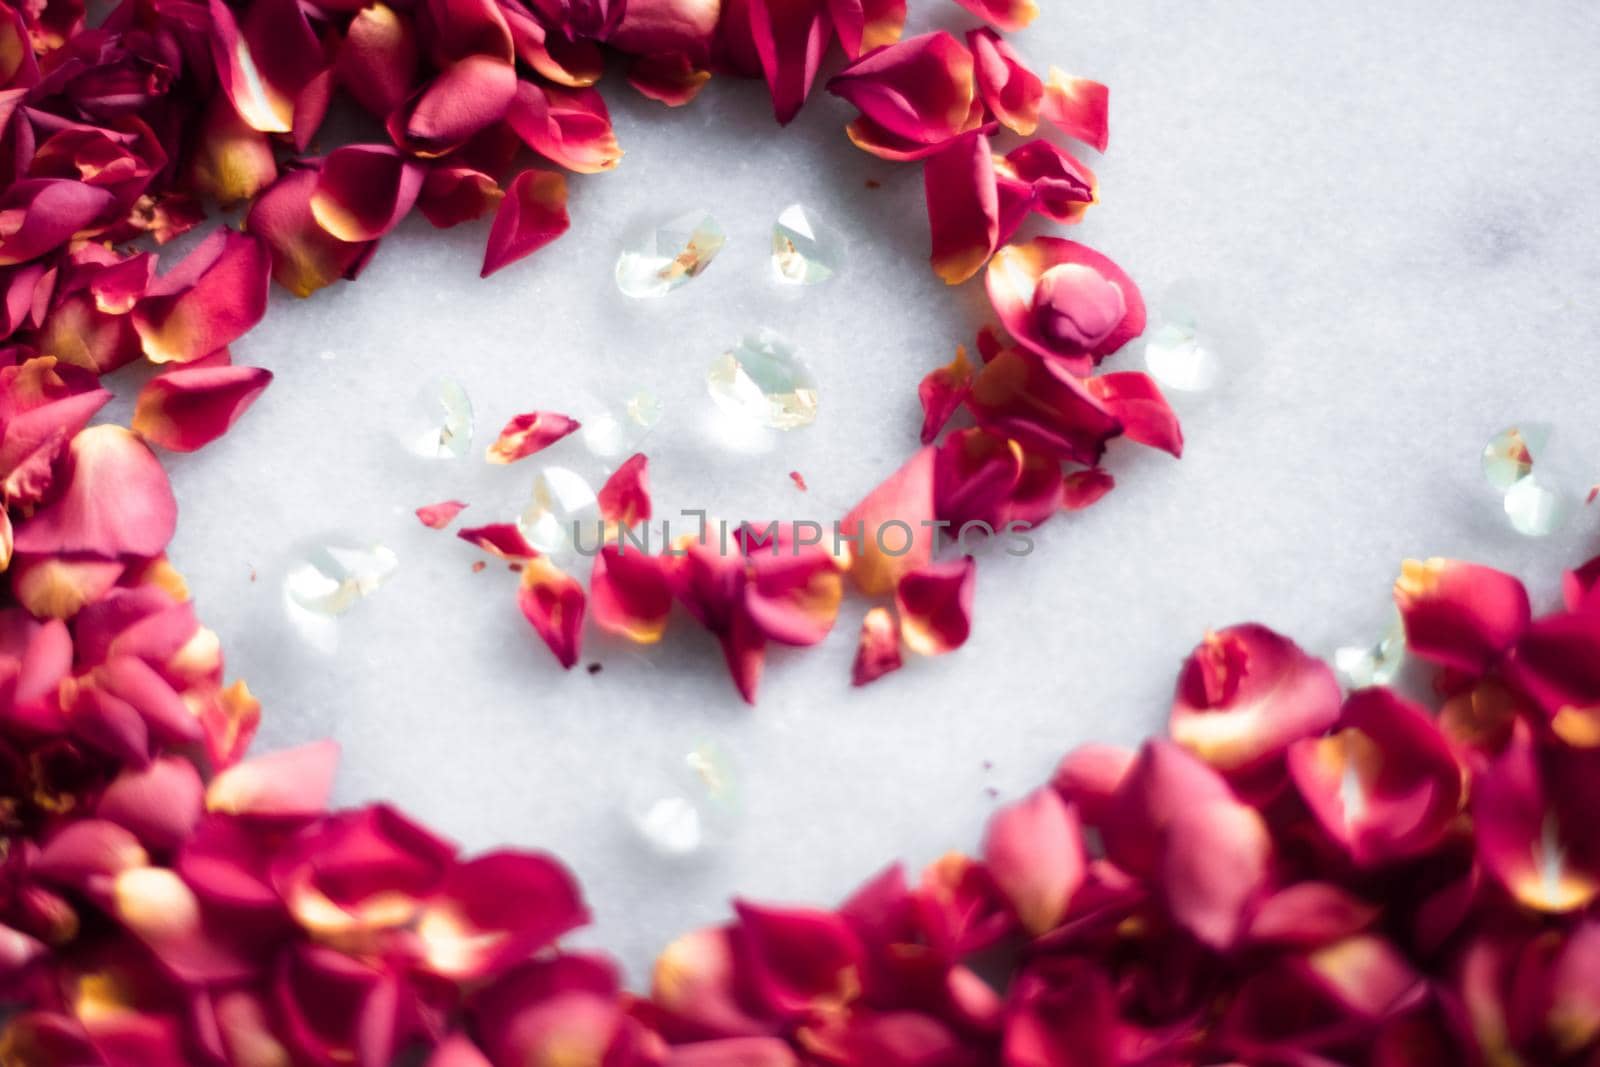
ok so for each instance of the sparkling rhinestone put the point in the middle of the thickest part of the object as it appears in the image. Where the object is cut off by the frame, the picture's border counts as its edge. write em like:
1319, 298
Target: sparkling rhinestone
563, 504
329, 579
805, 250
1509, 456
1535, 509
763, 379
644, 409
604, 434
687, 805
1180, 357
669, 255
1376, 664
438, 422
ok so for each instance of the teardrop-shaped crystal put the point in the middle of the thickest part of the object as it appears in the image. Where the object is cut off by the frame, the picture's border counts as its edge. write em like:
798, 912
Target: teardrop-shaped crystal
1376, 664
1535, 509
1510, 454
763, 379
438, 421
563, 506
689, 804
805, 250
330, 579
1179, 356
669, 255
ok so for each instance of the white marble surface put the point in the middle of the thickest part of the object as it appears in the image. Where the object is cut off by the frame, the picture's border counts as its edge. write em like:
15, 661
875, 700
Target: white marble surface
1400, 197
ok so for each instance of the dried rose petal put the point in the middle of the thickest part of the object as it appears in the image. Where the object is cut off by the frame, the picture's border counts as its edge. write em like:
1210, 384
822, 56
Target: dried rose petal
233, 161
963, 207
935, 606
229, 721
116, 501
1082, 489
1043, 406
496, 910
1009, 15
1460, 615
464, 99
526, 434
438, 516
188, 407
1246, 694
553, 602
453, 195
1065, 301
1078, 108
267, 63
503, 539
866, 25
975, 478
800, 960
290, 784
1041, 178
630, 594
569, 127
942, 392
364, 191
378, 59
533, 213
44, 213
305, 257
1009, 89
878, 650
1034, 850
892, 527
915, 97
207, 302
1557, 667
625, 498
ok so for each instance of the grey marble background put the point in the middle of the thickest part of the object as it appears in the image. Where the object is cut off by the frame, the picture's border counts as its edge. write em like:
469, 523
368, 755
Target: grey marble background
1400, 198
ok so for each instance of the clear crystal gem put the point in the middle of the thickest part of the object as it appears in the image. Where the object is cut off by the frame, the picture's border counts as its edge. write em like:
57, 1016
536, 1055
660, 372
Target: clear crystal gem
563, 504
644, 409
669, 255
686, 806
1180, 357
329, 579
1376, 664
763, 379
604, 434
805, 250
1509, 456
438, 422
1535, 509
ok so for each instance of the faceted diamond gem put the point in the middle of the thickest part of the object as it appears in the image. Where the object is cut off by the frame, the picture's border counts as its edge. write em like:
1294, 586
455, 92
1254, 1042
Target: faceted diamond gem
438, 422
805, 250
604, 434
1376, 664
1180, 357
329, 579
644, 409
669, 255
763, 379
1535, 509
1509, 456
563, 504
687, 805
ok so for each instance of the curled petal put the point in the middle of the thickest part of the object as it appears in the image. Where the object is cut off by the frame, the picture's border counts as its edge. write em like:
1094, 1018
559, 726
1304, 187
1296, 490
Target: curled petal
208, 301
463, 100
625, 498
1557, 666
232, 160
963, 207
1082, 489
673, 80
291, 784
878, 650
1034, 850
526, 434
88, 853
696, 983
935, 605
1043, 406
453, 195
942, 392
1078, 108
378, 60
918, 94
792, 595
891, 529
438, 516
42, 214
630, 594
495, 910
335, 1009
801, 961
1384, 787
187, 408
1065, 301
1009, 15
533, 213
1009, 89
569, 127
790, 37
230, 721
553, 602
975, 477
1311, 914
1460, 615
117, 501
305, 257
267, 63
1040, 177
563, 1009
503, 539
363, 191
866, 25
1247, 693
50, 587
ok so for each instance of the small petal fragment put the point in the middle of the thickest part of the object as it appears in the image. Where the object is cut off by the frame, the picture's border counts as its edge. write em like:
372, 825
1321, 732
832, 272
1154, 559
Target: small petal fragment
438, 516
878, 650
935, 605
526, 434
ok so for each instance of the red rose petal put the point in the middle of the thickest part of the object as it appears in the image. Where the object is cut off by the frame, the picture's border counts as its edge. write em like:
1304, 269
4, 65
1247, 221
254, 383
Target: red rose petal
526, 434
553, 601
569, 127
1009, 89
438, 516
116, 501
364, 191
1460, 615
963, 207
625, 497
207, 302
292, 784
188, 407
1034, 850
942, 392
503, 539
630, 594
878, 650
892, 527
935, 606
865, 25
1078, 107
305, 257
533, 213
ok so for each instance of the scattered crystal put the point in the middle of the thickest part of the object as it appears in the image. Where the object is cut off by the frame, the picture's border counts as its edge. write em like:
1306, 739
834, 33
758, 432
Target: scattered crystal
688, 805
805, 250
763, 380
1509, 456
1536, 510
669, 255
604, 434
1377, 664
563, 503
1180, 357
644, 408
438, 423
329, 579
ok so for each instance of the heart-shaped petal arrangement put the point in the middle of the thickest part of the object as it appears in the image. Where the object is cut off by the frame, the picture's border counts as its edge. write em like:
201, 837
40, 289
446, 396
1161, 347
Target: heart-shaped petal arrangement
1296, 876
